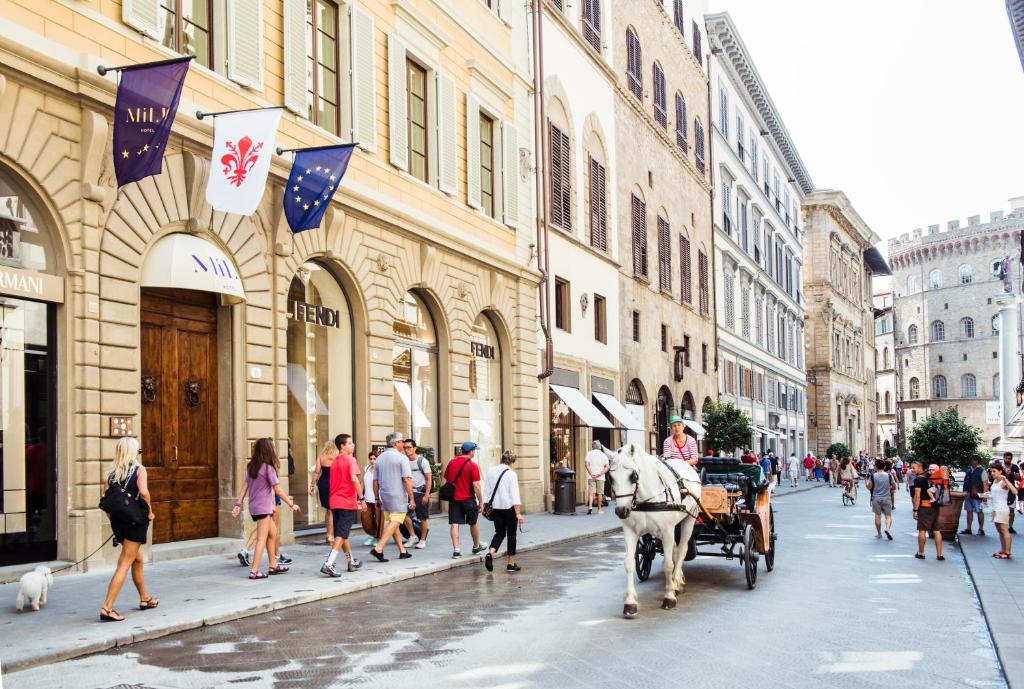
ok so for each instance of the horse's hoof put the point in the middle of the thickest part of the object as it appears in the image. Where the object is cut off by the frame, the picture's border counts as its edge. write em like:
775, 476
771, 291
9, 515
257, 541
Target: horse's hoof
629, 610
668, 604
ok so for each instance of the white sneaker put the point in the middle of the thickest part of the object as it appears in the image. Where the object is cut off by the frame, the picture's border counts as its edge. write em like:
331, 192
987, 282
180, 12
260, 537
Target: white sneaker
420, 545
413, 540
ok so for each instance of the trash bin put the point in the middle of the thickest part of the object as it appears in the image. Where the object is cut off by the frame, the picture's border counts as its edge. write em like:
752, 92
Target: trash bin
565, 491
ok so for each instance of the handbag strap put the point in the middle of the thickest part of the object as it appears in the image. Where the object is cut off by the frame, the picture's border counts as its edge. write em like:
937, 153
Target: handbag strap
496, 484
459, 472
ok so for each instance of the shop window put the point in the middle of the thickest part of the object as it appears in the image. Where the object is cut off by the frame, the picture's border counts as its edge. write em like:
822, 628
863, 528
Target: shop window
563, 423
414, 372
485, 392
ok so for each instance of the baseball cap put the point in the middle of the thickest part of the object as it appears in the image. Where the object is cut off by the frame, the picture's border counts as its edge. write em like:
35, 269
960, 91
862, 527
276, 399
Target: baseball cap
675, 419
933, 467
469, 446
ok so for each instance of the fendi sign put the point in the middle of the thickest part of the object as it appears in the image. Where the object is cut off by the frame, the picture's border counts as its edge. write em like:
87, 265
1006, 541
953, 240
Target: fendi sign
317, 315
484, 351
23, 283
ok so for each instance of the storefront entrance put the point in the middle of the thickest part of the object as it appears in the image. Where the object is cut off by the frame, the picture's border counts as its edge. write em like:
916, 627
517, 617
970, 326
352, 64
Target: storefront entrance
179, 411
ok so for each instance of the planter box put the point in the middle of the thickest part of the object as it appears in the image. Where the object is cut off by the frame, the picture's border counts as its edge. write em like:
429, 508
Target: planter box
949, 515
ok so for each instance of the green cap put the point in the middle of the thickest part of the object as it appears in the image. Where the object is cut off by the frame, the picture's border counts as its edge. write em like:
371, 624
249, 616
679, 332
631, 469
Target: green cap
675, 419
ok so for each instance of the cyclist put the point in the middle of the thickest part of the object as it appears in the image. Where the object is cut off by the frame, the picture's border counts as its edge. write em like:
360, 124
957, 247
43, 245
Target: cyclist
848, 475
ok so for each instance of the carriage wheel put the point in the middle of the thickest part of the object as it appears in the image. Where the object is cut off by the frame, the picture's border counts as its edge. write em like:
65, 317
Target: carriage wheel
645, 550
749, 557
769, 556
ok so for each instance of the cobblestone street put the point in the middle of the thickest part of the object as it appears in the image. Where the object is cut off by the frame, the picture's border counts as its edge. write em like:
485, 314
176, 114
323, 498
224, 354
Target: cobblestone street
840, 610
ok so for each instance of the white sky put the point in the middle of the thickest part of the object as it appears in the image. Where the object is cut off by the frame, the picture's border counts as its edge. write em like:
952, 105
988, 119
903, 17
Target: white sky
912, 107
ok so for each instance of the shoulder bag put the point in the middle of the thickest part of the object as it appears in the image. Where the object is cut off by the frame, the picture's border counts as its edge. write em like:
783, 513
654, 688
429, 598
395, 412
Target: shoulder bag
447, 491
488, 511
123, 506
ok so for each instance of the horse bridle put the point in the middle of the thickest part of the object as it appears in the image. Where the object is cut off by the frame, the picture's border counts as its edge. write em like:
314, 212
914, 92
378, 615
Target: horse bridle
647, 505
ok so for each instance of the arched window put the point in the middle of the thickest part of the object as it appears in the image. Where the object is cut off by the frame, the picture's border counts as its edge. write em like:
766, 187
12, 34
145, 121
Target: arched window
915, 388
995, 324
681, 122
964, 272
966, 328
560, 168
658, 77
888, 402
935, 279
968, 385
634, 78
913, 286
939, 387
912, 335
885, 357
938, 331
414, 362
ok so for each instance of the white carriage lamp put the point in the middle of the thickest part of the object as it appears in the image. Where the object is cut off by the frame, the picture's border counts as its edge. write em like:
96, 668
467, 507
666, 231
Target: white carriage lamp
584, 303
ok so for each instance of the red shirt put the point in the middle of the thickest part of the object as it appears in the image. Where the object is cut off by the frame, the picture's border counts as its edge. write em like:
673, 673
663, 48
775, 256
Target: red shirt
343, 490
467, 477
808, 462
748, 459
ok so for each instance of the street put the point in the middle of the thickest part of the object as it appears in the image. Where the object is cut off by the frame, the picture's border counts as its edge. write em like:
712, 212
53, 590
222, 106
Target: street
841, 609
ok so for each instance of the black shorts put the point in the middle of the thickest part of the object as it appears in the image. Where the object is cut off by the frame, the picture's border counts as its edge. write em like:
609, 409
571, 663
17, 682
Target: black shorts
928, 519
422, 511
462, 512
343, 521
257, 517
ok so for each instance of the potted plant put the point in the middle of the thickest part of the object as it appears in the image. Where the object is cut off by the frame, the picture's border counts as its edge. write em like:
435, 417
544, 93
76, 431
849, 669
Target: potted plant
727, 428
945, 438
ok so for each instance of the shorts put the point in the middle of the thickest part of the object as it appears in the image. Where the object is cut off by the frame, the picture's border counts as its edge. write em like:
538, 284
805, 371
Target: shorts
882, 505
975, 505
1001, 517
257, 517
792, 473
422, 511
462, 512
928, 519
343, 521
396, 517
595, 485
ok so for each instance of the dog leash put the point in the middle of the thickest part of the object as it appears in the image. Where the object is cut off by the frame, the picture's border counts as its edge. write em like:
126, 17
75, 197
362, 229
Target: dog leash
75, 564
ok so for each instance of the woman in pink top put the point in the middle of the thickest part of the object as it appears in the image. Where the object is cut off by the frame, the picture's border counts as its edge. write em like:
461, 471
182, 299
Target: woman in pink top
679, 446
261, 484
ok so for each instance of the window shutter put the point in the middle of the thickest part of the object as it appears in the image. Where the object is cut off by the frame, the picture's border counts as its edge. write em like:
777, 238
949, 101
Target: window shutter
296, 51
664, 255
364, 91
398, 104
145, 16
447, 176
473, 151
245, 43
560, 178
639, 222
598, 207
686, 290
504, 7
510, 172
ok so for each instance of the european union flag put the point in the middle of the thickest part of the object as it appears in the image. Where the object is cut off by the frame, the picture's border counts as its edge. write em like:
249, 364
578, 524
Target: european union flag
315, 176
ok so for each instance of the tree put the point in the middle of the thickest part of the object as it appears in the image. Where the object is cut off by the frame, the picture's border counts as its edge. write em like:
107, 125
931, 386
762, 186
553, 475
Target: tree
839, 451
727, 427
945, 438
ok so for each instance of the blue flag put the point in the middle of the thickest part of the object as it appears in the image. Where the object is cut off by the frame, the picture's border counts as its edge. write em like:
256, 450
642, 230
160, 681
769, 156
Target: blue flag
147, 99
315, 176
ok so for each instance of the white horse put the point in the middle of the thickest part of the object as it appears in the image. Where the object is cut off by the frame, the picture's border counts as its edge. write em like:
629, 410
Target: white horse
648, 500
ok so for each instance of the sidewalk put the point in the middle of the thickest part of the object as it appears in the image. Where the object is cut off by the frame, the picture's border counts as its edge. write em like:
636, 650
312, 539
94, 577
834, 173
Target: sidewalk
202, 591
1000, 586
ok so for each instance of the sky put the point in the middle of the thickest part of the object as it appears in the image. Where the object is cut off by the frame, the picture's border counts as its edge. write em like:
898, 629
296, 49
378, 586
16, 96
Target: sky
914, 108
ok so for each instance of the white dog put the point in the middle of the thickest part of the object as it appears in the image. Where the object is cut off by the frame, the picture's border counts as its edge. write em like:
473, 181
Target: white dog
34, 586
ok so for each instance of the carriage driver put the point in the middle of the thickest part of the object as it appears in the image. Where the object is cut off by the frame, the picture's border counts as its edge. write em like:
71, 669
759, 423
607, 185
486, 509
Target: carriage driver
680, 447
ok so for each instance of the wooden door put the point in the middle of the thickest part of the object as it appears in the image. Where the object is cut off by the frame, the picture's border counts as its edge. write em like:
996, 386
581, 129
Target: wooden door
179, 413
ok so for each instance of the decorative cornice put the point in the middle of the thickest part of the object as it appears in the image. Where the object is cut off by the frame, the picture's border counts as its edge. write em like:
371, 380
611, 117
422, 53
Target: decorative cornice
1015, 10
839, 208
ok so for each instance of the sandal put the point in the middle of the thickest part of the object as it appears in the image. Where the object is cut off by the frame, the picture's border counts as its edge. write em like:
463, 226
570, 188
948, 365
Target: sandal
149, 603
280, 569
110, 615
1001, 555
257, 575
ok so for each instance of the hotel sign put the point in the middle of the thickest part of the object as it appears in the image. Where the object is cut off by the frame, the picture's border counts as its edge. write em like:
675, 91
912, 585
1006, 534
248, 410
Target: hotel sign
31, 285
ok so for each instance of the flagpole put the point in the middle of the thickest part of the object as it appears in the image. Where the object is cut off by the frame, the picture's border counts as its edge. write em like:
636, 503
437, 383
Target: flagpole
200, 114
103, 69
282, 151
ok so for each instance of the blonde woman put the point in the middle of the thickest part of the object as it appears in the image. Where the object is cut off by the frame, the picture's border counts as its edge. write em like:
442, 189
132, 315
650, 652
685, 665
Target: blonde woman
321, 482
130, 475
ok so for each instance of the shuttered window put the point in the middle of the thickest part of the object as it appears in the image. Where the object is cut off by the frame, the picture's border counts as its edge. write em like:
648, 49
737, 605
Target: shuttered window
447, 173
592, 23
364, 93
186, 26
472, 151
730, 303
723, 111
698, 51
638, 221
598, 206
702, 282
685, 273
664, 255
681, 123
698, 145
677, 16
634, 78
416, 86
398, 103
144, 16
510, 173
297, 53
486, 143
660, 116
561, 180
322, 64
245, 43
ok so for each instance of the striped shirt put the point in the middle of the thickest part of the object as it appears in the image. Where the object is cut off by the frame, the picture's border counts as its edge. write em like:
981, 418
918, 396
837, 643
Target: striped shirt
686, 452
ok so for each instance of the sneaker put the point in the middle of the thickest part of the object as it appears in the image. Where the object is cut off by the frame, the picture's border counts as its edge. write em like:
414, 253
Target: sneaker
456, 554
404, 556
420, 545
489, 562
370, 542
590, 511
380, 556
330, 571
512, 568
354, 564
413, 540
919, 556
878, 535
243, 558
981, 532
888, 534
966, 532
283, 559
479, 549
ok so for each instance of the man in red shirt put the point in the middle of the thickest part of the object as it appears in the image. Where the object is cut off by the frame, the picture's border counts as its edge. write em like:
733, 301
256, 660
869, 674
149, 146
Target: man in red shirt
464, 474
748, 457
808, 466
346, 500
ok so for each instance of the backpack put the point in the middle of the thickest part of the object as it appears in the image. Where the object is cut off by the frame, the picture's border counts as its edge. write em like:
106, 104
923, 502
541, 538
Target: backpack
940, 492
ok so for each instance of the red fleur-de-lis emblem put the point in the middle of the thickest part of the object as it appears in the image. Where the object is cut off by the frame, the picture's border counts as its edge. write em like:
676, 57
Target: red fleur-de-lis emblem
240, 160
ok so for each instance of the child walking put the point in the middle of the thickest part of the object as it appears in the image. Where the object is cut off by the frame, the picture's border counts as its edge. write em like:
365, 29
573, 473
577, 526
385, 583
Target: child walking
346, 500
262, 485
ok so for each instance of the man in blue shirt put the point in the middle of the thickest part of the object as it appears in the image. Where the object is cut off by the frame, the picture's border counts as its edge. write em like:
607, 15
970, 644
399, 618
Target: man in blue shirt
974, 485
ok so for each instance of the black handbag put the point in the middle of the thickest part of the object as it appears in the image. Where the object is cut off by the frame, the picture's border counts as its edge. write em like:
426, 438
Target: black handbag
487, 510
124, 506
447, 491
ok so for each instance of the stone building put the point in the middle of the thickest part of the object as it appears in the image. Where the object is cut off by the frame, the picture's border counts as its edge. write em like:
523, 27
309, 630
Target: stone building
423, 258
760, 182
841, 259
947, 330
663, 221
885, 373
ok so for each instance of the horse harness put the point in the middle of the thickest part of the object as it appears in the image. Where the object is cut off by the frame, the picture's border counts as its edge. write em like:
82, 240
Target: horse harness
648, 505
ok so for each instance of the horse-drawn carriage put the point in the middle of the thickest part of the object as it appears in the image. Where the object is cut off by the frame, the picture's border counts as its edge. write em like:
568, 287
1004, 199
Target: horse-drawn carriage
734, 516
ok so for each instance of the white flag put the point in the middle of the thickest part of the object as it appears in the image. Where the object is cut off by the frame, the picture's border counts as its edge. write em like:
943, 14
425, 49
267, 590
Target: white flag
243, 145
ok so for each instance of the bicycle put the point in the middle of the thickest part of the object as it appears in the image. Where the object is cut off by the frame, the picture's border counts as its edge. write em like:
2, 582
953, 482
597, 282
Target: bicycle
849, 492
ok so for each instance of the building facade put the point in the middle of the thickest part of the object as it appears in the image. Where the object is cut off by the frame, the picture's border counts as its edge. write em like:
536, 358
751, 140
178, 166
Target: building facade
947, 333
421, 270
760, 182
841, 259
663, 220
885, 373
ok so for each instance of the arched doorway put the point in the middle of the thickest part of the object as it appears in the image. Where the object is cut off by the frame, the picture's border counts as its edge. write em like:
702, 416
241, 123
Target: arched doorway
688, 407
485, 392
320, 373
663, 410
414, 365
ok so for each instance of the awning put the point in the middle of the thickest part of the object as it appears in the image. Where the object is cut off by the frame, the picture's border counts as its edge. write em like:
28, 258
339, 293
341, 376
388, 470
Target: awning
618, 411
587, 412
876, 262
184, 261
695, 427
